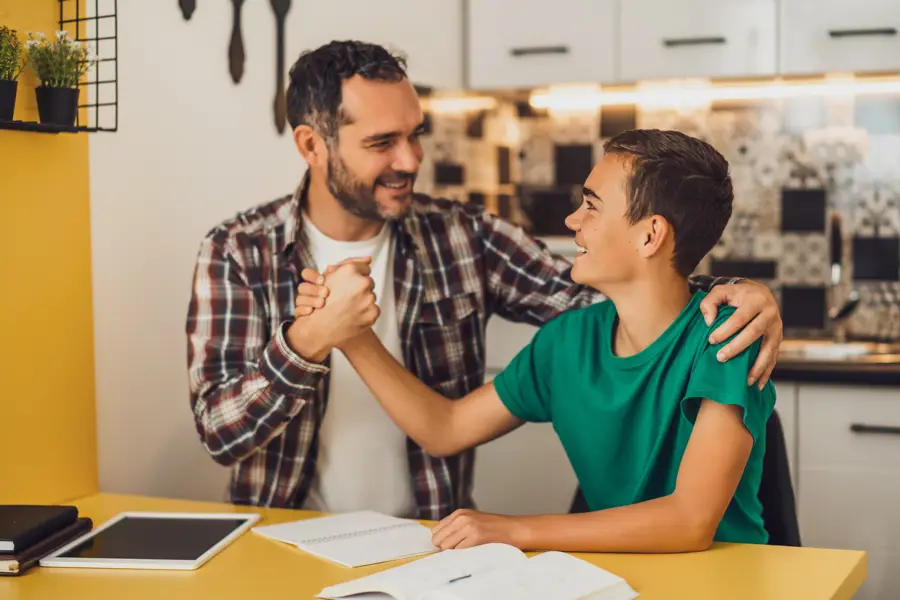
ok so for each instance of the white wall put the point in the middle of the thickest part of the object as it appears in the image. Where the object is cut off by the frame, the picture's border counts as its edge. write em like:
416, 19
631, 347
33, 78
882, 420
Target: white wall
192, 149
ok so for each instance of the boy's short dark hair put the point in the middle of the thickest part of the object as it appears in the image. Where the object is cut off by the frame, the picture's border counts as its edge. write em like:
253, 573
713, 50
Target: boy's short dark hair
314, 90
683, 179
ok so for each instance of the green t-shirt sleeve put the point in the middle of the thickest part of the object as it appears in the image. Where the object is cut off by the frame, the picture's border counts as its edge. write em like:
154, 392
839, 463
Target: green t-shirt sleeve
726, 382
524, 385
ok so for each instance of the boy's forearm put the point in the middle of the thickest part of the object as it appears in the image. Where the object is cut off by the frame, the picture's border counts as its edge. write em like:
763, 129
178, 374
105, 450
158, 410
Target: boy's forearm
421, 412
655, 526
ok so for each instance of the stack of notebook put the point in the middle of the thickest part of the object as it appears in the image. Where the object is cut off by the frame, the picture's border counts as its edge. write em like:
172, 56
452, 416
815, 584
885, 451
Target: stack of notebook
30, 532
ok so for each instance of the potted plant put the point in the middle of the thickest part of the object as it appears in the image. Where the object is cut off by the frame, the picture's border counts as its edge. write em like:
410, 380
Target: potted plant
59, 65
10, 67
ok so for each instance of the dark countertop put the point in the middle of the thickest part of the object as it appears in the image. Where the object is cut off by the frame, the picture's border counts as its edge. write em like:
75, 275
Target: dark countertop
838, 371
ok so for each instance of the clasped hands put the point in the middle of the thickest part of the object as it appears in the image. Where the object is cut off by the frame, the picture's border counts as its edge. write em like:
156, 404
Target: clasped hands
350, 310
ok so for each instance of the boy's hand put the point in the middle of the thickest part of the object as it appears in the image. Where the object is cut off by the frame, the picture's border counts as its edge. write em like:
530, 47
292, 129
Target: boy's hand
466, 528
757, 315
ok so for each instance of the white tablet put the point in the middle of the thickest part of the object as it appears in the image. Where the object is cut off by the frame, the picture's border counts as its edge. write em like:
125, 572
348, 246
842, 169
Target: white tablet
150, 540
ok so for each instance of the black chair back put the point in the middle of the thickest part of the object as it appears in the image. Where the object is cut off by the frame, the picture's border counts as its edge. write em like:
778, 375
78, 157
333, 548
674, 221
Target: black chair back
776, 491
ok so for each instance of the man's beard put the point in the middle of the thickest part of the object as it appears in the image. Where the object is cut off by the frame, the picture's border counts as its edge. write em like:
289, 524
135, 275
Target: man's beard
356, 196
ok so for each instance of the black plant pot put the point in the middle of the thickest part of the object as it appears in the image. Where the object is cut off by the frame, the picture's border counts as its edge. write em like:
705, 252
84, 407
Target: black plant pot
7, 99
57, 106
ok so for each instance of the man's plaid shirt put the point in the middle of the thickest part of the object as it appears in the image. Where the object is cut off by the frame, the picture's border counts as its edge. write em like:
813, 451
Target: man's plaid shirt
257, 404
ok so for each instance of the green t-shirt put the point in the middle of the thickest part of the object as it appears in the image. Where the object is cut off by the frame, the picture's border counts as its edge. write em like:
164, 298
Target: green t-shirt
625, 421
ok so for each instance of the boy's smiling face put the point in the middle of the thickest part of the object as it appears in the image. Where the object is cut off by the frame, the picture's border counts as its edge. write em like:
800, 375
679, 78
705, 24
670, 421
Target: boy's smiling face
611, 249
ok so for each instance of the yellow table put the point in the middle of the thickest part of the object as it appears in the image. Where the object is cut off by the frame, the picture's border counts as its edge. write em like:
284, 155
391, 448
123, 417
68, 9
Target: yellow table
257, 567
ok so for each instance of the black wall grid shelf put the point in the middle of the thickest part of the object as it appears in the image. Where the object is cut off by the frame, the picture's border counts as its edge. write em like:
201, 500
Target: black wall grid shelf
95, 23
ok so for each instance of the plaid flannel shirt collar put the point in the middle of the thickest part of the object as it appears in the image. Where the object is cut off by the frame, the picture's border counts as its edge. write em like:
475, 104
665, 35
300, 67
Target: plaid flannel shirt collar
293, 233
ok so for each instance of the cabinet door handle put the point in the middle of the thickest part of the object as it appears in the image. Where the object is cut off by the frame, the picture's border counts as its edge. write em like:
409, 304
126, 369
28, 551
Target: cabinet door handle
840, 33
531, 50
863, 428
695, 41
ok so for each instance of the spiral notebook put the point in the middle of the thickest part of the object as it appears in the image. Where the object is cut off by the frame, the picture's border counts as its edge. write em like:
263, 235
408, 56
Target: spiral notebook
354, 539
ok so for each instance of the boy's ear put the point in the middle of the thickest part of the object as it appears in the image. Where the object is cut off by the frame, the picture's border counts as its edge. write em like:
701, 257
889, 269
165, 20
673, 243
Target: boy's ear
656, 233
311, 146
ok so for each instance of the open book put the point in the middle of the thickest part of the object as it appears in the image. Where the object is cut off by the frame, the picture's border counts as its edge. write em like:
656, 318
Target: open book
354, 539
488, 572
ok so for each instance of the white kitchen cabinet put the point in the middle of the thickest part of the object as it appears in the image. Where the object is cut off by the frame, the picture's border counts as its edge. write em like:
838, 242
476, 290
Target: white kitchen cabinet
428, 33
823, 37
526, 44
697, 38
850, 477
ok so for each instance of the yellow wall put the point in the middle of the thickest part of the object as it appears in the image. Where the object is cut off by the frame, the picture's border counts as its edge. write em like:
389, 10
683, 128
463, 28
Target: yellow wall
47, 415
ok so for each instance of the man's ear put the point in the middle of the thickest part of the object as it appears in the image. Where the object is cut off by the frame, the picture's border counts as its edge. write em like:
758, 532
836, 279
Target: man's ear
311, 146
655, 233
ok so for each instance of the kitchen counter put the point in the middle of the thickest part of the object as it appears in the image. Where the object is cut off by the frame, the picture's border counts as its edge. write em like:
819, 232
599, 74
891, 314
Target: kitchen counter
838, 372
823, 361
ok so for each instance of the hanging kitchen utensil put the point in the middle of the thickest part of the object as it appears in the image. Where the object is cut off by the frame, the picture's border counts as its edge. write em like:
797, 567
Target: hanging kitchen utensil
281, 8
187, 8
236, 48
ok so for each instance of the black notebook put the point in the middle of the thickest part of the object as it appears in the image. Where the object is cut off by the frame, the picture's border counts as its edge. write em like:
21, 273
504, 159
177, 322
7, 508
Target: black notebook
21, 561
22, 525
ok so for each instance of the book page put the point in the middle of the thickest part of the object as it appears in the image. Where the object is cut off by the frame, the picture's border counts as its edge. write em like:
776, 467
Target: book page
307, 530
550, 575
376, 546
413, 580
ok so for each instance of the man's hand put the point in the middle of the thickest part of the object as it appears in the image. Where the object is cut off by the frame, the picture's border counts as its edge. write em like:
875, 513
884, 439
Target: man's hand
757, 315
350, 310
466, 528
312, 292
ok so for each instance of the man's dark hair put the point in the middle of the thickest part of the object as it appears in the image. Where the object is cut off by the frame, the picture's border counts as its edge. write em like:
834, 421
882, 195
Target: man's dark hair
684, 180
314, 89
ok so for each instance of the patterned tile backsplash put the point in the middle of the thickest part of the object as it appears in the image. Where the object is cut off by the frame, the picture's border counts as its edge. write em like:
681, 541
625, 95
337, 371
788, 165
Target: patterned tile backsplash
796, 165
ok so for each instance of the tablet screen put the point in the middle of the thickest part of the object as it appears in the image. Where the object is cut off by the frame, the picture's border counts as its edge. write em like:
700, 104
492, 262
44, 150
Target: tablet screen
155, 538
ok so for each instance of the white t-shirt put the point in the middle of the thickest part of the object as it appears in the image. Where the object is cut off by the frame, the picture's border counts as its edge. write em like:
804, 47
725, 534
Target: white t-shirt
363, 462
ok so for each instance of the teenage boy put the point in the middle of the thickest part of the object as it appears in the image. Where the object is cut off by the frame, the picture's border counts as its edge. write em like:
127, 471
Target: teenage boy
667, 442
